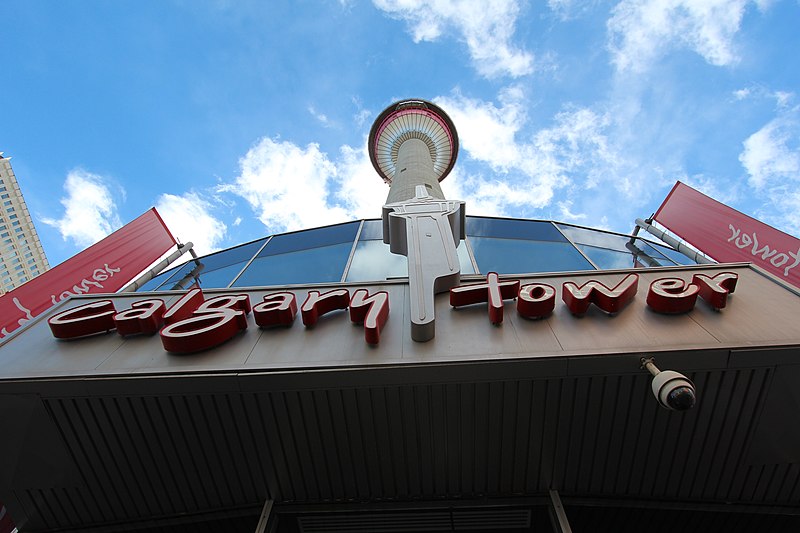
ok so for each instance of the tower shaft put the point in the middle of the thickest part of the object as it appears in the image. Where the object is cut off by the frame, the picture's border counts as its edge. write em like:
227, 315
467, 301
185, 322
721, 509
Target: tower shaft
414, 167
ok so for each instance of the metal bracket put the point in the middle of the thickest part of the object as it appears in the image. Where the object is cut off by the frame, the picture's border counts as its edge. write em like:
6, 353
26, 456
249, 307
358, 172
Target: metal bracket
558, 516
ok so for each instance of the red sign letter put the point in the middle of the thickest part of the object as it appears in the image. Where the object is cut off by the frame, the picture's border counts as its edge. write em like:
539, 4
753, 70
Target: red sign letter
317, 304
536, 300
146, 316
184, 307
278, 309
214, 322
611, 301
229, 301
88, 319
373, 311
671, 296
493, 292
715, 290
203, 331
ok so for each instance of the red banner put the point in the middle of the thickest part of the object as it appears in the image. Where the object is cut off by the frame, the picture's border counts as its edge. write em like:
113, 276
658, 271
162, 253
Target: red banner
727, 235
6, 525
104, 267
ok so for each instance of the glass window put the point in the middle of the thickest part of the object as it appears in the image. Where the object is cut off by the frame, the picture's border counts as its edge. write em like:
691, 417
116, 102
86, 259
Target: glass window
189, 268
312, 256
592, 237
156, 281
314, 265
371, 230
218, 270
609, 259
313, 238
515, 256
675, 255
530, 230
588, 240
464, 259
373, 261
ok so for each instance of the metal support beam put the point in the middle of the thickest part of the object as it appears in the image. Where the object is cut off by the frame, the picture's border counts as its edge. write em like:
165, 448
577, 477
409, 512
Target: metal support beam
675, 243
156, 270
264, 519
558, 515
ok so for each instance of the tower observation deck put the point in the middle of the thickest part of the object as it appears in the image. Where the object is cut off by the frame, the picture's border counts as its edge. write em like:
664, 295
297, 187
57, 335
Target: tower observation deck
411, 143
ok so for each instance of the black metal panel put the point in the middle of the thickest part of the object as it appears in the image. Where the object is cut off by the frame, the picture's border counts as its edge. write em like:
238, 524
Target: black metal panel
584, 519
142, 456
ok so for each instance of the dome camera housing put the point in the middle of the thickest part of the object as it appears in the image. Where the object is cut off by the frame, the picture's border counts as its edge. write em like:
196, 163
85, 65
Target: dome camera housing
673, 390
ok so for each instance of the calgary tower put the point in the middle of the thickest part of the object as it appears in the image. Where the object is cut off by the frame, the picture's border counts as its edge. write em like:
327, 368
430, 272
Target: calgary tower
413, 145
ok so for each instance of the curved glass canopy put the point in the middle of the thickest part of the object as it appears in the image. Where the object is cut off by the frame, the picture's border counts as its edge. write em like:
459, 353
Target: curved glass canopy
355, 252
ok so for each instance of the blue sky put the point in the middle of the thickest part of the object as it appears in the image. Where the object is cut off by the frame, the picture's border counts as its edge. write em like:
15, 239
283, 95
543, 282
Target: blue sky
238, 119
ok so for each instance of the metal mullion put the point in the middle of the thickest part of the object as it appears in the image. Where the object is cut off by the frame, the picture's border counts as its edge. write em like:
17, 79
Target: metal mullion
229, 285
352, 252
575, 246
471, 254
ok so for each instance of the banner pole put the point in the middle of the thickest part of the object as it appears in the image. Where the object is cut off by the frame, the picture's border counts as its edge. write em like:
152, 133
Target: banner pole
156, 270
675, 243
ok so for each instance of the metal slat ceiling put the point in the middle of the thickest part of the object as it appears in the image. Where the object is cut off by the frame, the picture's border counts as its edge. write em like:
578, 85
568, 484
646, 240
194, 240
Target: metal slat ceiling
183, 453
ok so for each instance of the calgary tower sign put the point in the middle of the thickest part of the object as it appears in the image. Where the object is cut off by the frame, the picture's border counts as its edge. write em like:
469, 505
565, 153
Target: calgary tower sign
413, 145
194, 324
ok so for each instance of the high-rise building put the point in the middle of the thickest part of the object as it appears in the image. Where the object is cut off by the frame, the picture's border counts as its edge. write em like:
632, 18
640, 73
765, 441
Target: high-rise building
21, 253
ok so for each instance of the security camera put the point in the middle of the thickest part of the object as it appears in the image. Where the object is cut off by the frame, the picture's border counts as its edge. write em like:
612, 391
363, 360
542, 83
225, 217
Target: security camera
672, 389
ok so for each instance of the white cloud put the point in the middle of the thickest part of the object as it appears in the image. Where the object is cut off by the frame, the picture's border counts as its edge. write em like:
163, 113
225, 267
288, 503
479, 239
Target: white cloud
90, 213
486, 30
771, 157
189, 218
289, 187
507, 167
741, 94
783, 99
527, 169
485, 131
362, 115
362, 191
566, 214
772, 154
567, 9
641, 30
321, 117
